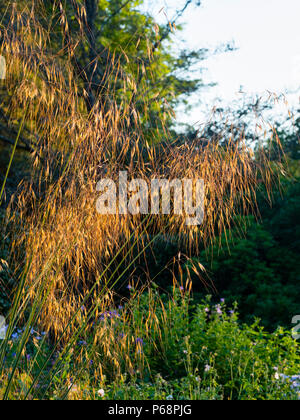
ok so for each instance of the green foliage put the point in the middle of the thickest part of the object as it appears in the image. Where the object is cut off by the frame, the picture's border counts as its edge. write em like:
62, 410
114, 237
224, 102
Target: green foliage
190, 351
189, 387
206, 343
260, 269
282, 219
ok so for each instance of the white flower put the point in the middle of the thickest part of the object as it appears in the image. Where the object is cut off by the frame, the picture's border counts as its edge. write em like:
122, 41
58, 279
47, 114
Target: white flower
3, 328
207, 368
101, 393
219, 310
277, 377
169, 397
74, 389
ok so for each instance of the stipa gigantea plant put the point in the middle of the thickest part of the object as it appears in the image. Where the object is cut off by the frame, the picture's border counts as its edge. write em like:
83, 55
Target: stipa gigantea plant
120, 352
63, 349
30, 379
74, 147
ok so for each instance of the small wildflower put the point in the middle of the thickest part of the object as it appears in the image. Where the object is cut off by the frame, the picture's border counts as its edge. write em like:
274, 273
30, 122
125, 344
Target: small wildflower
207, 368
139, 341
114, 313
277, 377
169, 397
74, 389
101, 393
219, 310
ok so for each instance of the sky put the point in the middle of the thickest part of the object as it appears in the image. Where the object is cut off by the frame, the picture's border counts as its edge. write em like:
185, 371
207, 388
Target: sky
266, 34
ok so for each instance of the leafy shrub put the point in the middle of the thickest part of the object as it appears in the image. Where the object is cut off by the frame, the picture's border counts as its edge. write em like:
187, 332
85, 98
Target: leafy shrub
206, 343
165, 348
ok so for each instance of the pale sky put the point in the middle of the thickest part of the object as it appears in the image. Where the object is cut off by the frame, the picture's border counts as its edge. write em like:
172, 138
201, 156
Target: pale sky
266, 33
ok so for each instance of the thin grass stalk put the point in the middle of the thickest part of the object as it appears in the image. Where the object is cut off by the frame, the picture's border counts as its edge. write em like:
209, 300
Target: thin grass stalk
13, 154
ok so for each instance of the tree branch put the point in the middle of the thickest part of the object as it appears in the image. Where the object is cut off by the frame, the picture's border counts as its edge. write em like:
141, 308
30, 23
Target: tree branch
156, 45
113, 15
173, 22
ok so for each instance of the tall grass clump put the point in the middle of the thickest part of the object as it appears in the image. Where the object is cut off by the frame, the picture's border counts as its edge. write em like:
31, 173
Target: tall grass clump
70, 263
